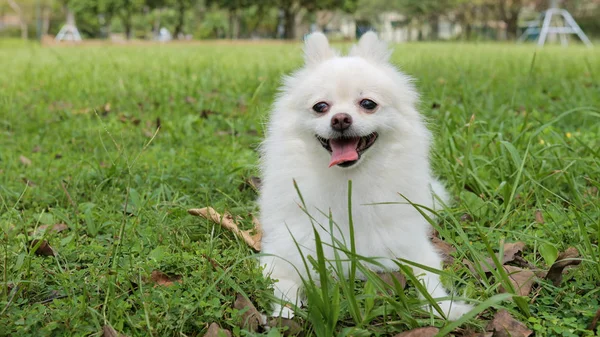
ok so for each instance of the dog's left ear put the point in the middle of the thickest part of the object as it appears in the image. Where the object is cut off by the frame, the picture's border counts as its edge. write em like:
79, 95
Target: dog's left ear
370, 47
317, 49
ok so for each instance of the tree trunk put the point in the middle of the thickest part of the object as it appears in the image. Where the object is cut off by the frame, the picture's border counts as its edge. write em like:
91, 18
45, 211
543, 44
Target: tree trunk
511, 27
289, 18
22, 23
234, 24
45, 20
434, 23
180, 21
127, 25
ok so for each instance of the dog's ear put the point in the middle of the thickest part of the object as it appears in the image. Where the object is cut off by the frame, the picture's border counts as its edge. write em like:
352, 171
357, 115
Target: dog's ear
316, 49
370, 47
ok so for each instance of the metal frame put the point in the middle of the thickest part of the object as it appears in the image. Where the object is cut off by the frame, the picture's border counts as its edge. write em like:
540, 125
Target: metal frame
69, 31
569, 27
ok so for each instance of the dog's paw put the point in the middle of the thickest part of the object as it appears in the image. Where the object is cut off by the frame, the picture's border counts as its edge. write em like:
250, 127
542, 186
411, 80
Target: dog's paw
282, 311
454, 310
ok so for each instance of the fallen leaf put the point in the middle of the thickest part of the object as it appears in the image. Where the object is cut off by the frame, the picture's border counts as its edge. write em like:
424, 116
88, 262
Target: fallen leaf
206, 112
57, 228
389, 278
251, 318
539, 217
36, 149
24, 160
521, 279
466, 218
162, 279
44, 249
148, 133
428, 331
109, 331
227, 221
445, 249
214, 330
566, 258
594, 324
504, 325
289, 326
106, 108
28, 182
511, 252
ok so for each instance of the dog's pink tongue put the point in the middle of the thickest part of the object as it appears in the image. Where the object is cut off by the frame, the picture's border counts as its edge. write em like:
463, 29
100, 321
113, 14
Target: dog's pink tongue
343, 150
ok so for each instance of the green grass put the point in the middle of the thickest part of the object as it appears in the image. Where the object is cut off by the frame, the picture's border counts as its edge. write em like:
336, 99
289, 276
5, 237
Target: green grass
516, 131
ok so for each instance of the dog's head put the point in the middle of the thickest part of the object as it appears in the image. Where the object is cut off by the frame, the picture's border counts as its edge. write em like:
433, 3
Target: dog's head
350, 105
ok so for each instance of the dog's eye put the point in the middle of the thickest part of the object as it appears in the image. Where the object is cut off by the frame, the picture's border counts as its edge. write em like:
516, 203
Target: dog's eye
321, 107
367, 104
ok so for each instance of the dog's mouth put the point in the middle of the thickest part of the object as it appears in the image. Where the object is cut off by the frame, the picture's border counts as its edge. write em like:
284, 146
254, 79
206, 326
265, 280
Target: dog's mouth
346, 151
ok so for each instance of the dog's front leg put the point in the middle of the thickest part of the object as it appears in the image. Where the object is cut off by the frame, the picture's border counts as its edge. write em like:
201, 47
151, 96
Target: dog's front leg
426, 255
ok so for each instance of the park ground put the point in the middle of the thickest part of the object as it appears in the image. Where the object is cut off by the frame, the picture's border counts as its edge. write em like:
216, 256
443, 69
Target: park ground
103, 149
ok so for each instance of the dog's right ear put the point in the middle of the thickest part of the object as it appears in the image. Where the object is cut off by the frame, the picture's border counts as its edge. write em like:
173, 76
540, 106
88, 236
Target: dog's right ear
317, 49
370, 47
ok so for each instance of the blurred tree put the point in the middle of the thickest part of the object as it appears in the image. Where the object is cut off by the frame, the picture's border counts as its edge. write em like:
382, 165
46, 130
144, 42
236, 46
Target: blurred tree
22, 21
233, 7
469, 13
123, 9
291, 8
508, 11
370, 10
428, 11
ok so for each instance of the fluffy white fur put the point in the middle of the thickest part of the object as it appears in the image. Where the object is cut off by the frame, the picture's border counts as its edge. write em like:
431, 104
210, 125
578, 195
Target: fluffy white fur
397, 163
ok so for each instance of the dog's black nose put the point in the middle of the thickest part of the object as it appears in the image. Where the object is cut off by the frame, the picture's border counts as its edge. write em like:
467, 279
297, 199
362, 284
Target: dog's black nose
341, 121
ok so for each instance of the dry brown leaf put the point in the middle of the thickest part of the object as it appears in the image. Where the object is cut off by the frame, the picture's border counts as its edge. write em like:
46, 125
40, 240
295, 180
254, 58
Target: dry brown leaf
206, 112
289, 326
504, 325
44, 249
214, 330
106, 108
594, 324
24, 160
428, 331
251, 318
566, 258
511, 252
446, 250
521, 279
466, 218
389, 278
28, 182
57, 228
539, 217
227, 221
109, 331
162, 279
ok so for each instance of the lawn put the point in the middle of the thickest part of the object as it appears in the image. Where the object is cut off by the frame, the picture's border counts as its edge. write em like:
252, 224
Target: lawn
107, 147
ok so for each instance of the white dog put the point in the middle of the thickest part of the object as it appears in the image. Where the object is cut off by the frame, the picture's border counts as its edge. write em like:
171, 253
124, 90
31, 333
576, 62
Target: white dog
339, 119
